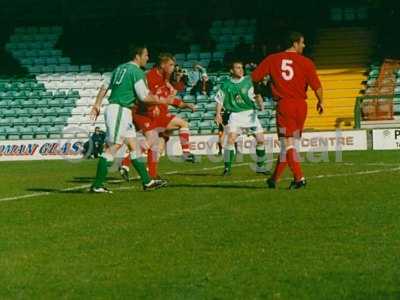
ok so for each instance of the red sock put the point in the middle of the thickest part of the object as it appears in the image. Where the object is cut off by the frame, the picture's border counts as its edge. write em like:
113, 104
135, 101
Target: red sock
126, 161
279, 168
152, 163
184, 137
294, 163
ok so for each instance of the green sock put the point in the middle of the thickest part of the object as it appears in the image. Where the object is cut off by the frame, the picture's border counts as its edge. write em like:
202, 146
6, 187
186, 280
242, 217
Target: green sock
260, 152
229, 157
141, 169
101, 174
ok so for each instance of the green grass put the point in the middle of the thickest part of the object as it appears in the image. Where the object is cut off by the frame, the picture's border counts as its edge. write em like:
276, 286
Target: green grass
205, 236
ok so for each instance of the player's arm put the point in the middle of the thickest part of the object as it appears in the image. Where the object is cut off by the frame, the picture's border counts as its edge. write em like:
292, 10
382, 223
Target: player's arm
95, 111
219, 99
262, 70
320, 103
184, 105
314, 82
260, 101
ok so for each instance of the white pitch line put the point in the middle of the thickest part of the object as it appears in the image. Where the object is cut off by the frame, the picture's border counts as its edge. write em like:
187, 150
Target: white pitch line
80, 187
222, 183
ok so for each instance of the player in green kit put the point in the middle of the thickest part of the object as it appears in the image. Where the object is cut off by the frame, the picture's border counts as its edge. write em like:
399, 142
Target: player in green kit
237, 97
127, 85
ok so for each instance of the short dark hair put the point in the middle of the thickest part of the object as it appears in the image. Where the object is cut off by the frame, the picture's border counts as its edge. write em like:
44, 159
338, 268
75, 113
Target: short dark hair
292, 37
136, 50
234, 62
163, 57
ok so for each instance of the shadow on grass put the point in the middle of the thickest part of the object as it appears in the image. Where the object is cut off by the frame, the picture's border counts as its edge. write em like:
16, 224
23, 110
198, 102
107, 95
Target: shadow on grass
217, 186
194, 174
91, 179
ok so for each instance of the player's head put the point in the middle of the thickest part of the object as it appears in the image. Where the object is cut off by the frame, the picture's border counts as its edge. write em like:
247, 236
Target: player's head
140, 55
236, 69
294, 42
166, 62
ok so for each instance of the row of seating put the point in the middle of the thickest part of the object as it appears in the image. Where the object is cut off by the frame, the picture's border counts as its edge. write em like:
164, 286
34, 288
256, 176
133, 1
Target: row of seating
38, 69
9, 105
30, 45
38, 95
45, 53
21, 86
56, 60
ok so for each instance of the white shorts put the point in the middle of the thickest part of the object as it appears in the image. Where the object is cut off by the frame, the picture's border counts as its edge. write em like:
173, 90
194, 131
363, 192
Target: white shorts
119, 124
244, 122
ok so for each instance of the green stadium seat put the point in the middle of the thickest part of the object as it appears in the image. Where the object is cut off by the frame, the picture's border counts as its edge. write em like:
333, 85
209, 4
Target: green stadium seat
210, 106
9, 112
45, 120
200, 107
197, 115
50, 111
22, 112
26, 132
61, 120
46, 95
209, 115
3, 133
35, 111
189, 99
65, 111
68, 102
41, 103
54, 102
4, 104
32, 120
12, 133
202, 99
4, 122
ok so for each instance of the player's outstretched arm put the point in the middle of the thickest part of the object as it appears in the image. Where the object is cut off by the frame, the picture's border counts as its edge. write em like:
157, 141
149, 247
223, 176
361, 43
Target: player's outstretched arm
218, 117
320, 102
260, 101
184, 105
95, 111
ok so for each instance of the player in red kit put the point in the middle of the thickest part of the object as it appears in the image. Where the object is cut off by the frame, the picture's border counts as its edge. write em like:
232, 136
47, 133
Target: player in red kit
156, 120
291, 75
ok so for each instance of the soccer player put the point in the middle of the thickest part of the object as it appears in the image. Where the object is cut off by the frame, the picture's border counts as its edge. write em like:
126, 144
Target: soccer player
128, 86
291, 75
236, 96
156, 120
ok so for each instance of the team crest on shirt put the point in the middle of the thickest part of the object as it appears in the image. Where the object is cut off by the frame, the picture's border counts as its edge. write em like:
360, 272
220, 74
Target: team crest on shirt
238, 98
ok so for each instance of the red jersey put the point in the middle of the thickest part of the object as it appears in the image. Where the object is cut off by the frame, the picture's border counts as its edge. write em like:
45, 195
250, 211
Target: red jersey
291, 75
158, 85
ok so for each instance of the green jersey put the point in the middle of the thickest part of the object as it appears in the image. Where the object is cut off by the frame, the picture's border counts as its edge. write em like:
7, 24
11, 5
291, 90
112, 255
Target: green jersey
237, 95
128, 85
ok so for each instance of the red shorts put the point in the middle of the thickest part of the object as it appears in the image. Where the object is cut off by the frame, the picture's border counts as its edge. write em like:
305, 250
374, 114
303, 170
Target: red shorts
145, 123
290, 117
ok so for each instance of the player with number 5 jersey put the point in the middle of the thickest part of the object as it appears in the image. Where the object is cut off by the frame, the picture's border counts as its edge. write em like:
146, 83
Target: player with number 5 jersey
291, 74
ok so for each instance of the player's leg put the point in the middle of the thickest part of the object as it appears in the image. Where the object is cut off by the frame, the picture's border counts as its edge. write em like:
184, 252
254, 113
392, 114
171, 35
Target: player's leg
114, 141
184, 136
229, 151
152, 138
260, 145
292, 156
260, 153
220, 138
104, 163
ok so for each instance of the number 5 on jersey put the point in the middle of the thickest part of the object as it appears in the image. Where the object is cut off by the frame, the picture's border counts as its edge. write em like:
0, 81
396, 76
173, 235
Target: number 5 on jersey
287, 69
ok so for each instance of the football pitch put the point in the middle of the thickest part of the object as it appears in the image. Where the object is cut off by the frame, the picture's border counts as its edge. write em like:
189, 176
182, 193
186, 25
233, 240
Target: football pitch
204, 236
